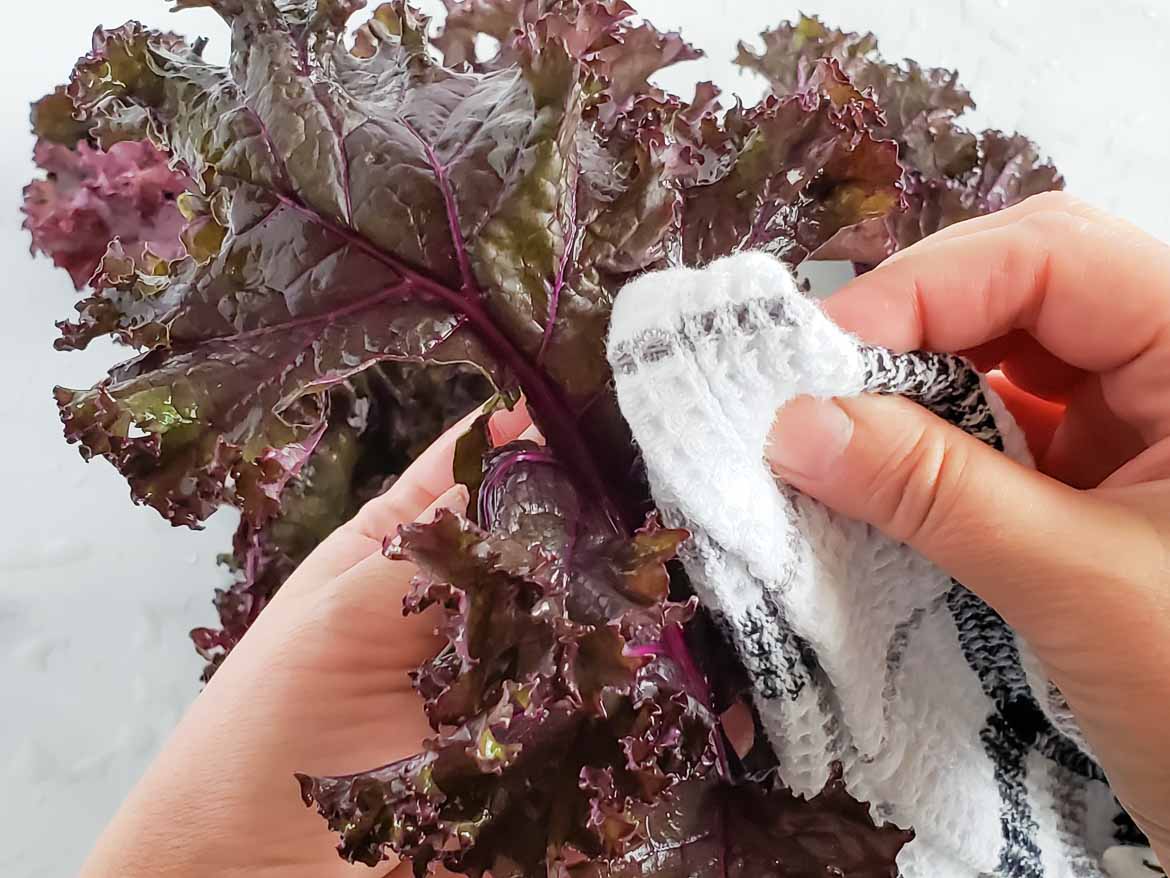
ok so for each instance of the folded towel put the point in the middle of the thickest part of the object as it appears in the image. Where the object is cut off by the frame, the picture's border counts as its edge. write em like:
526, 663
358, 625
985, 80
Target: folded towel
859, 650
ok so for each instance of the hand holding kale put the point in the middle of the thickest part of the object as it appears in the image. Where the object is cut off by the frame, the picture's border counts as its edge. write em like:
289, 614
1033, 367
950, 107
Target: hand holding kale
325, 252
321, 683
562, 717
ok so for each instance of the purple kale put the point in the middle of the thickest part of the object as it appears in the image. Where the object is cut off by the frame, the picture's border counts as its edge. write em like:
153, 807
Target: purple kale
316, 279
559, 712
952, 174
388, 417
712, 829
91, 197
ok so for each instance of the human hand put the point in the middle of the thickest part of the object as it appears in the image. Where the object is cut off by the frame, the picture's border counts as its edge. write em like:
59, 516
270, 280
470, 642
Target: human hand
318, 685
1073, 306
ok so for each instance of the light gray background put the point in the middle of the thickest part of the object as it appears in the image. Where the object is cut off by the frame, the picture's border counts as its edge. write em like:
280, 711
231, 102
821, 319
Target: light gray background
97, 596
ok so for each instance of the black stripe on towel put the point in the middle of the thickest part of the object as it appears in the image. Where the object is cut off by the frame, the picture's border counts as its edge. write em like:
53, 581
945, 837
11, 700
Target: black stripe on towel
1009, 731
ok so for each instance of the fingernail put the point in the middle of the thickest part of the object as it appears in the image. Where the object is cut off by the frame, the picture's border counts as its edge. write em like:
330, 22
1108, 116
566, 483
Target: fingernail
456, 497
808, 437
453, 499
532, 434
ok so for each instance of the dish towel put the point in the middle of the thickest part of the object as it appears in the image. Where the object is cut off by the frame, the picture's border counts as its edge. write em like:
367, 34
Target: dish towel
859, 650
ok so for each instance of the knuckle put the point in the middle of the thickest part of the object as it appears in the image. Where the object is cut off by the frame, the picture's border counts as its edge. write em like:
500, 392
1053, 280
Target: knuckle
1055, 214
1047, 223
1057, 201
917, 484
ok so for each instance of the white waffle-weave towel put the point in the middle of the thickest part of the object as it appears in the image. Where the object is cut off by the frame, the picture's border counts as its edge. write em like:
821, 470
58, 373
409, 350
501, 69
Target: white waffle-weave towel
859, 650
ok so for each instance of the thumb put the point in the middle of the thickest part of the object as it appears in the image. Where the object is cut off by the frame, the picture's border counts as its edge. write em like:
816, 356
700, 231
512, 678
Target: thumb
1023, 542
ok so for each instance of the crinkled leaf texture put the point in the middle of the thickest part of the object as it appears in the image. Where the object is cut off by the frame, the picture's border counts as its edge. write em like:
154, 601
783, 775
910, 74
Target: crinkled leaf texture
711, 829
798, 176
327, 251
388, 416
380, 206
558, 708
566, 726
952, 174
261, 248
91, 197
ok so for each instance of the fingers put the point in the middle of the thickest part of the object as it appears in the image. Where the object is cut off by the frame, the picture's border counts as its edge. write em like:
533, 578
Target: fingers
1038, 418
359, 611
1024, 542
1090, 443
1151, 466
369, 597
1093, 291
372, 571
1046, 201
1032, 368
425, 480
430, 475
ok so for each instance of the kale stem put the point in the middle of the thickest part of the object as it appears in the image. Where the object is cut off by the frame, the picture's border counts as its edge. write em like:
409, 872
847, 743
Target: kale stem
677, 649
551, 413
